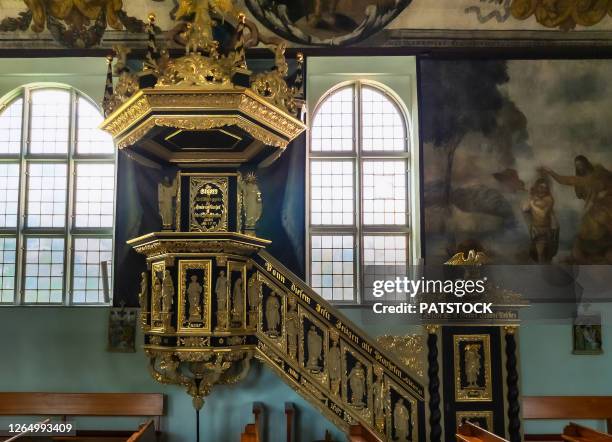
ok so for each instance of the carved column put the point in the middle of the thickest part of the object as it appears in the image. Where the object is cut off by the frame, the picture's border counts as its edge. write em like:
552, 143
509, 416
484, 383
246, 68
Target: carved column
435, 429
514, 423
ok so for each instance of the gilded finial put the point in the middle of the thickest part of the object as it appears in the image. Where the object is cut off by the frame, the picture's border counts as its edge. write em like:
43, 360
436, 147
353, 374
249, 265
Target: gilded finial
151, 17
109, 58
299, 57
241, 18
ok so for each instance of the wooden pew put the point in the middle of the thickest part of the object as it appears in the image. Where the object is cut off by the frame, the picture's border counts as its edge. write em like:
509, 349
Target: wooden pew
67, 405
146, 433
468, 432
290, 416
578, 433
358, 433
566, 408
254, 432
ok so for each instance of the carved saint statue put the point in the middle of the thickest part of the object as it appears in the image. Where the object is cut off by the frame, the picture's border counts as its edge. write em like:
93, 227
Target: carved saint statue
291, 325
167, 292
166, 198
238, 301
315, 345
273, 314
334, 365
156, 295
357, 381
144, 290
194, 294
251, 197
378, 391
401, 419
221, 291
253, 298
472, 364
253, 292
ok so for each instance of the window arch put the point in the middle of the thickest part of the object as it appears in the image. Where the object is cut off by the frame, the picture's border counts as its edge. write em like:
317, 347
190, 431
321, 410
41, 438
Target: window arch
57, 189
359, 193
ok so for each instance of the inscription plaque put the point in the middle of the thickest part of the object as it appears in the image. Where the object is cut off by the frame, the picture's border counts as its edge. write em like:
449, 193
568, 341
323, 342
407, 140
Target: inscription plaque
208, 204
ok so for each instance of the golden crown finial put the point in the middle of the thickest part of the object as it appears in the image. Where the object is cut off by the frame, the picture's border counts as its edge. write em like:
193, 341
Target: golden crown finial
109, 58
151, 17
299, 57
241, 18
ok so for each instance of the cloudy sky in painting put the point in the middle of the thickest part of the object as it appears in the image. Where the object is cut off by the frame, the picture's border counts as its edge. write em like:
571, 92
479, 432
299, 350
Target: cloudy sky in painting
568, 105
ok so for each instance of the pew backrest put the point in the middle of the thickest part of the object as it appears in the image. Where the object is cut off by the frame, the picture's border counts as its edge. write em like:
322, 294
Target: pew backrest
578, 433
568, 408
146, 433
83, 404
468, 432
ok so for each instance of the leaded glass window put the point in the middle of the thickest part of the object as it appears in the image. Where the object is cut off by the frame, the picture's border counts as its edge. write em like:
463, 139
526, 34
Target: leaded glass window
57, 190
359, 194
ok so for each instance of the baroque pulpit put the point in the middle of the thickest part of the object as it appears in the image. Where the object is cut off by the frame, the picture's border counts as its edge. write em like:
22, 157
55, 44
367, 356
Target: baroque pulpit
212, 298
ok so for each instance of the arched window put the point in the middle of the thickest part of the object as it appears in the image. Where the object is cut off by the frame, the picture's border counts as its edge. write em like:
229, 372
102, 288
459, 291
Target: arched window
57, 187
359, 190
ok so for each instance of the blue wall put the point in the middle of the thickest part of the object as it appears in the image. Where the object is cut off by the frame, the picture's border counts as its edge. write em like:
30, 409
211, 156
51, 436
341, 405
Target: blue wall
63, 350
548, 367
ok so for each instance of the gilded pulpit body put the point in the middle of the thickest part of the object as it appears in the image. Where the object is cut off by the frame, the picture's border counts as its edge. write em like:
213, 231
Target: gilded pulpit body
212, 298
206, 116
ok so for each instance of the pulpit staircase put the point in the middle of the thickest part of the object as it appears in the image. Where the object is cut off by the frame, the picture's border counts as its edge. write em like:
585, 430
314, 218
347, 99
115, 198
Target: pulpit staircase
390, 389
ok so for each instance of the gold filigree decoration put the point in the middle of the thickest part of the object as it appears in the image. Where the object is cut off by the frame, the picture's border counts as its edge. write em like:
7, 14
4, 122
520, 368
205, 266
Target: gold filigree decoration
242, 101
195, 70
198, 371
156, 249
204, 123
126, 87
562, 14
272, 85
408, 349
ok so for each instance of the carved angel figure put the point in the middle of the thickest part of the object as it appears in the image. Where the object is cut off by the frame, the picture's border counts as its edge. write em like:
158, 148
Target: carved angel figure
357, 382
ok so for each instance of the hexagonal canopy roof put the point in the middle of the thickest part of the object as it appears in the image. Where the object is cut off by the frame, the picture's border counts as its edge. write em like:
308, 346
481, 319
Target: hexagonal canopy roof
191, 126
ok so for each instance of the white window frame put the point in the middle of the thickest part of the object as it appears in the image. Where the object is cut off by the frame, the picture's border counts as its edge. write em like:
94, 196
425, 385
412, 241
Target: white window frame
69, 232
358, 229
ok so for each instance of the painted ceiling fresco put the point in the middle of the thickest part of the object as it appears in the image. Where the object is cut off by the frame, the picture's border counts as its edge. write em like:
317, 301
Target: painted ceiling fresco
91, 23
